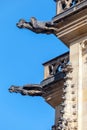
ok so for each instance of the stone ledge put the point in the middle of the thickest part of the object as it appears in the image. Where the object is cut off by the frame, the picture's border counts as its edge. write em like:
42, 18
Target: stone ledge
70, 11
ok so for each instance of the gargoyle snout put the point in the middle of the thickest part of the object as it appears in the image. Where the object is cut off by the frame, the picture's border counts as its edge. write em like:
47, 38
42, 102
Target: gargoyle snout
11, 89
20, 23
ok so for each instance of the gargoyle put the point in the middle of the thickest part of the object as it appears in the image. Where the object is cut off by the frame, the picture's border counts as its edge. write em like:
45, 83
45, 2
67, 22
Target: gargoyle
30, 89
37, 26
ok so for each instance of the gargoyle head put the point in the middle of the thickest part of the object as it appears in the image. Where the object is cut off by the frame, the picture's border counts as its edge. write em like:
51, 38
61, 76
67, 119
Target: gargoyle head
13, 89
20, 24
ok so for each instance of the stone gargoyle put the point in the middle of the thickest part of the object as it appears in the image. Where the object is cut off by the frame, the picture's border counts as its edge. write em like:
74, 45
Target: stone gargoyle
37, 26
30, 89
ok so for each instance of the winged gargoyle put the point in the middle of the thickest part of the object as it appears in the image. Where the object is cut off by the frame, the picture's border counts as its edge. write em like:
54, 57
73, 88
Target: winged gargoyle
37, 26
30, 89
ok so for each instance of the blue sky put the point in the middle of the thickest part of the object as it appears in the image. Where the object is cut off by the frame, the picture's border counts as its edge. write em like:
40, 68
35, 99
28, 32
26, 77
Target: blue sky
22, 53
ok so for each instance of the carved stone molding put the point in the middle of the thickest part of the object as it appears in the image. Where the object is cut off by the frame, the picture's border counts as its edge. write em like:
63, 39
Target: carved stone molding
84, 44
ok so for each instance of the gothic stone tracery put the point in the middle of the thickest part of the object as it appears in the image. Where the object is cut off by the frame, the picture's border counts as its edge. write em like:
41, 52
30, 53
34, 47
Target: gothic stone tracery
62, 5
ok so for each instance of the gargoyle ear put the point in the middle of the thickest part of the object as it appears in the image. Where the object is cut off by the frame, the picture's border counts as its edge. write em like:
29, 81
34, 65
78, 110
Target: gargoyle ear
22, 21
33, 19
11, 89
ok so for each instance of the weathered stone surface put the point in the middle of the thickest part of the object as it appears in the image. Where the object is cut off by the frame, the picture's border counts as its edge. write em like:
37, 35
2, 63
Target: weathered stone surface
72, 24
37, 26
29, 89
63, 5
65, 77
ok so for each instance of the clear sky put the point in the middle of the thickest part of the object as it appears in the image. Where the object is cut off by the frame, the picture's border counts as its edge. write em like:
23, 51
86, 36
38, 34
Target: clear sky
22, 53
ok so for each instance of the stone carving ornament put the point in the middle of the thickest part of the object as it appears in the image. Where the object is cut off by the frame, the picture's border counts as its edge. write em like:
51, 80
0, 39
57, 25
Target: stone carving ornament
37, 26
65, 4
84, 44
58, 66
46, 27
29, 89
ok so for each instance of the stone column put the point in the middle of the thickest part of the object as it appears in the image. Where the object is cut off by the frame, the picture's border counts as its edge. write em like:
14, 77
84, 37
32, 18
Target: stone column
84, 83
78, 54
72, 30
